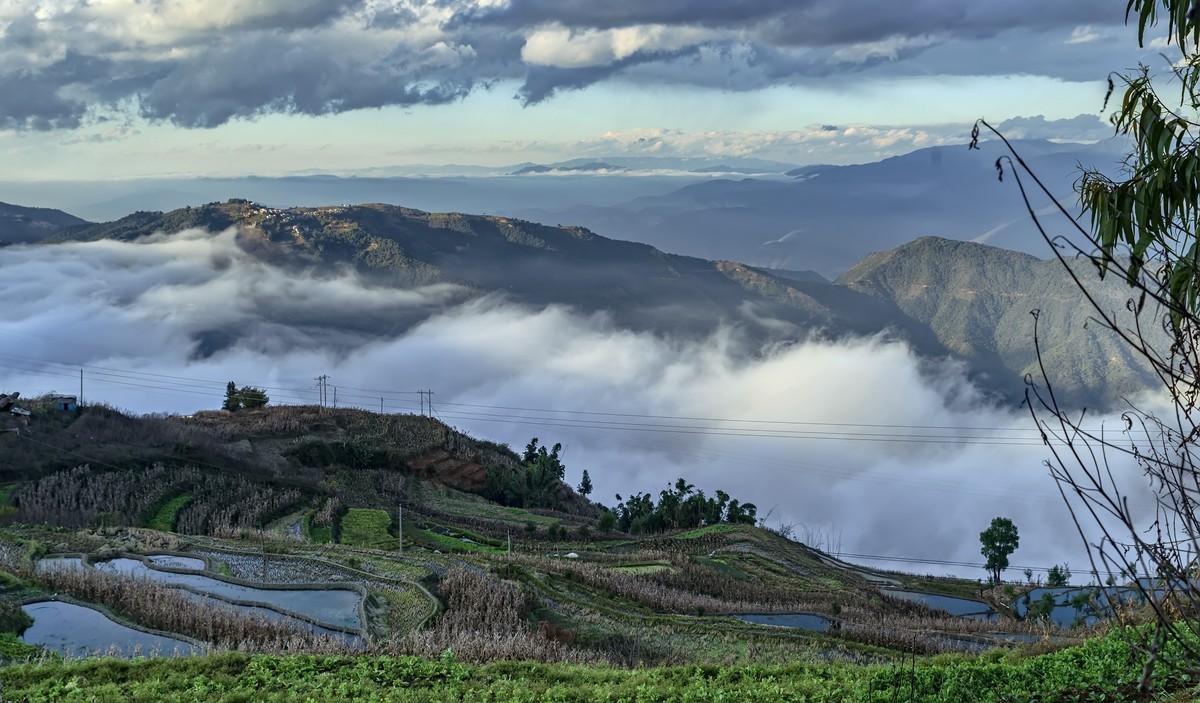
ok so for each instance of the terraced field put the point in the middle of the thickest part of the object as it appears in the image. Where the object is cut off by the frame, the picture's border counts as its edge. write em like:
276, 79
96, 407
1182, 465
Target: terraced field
483, 581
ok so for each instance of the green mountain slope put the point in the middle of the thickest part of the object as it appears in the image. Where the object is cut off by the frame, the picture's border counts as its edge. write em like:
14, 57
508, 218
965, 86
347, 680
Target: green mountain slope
29, 224
947, 298
976, 300
639, 286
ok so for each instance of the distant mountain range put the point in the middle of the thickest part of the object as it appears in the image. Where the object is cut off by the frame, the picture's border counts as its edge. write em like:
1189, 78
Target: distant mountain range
947, 298
826, 218
30, 224
762, 213
589, 167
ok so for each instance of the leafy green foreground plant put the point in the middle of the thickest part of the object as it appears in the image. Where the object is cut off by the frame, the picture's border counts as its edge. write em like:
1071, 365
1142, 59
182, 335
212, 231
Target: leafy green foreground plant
1100, 670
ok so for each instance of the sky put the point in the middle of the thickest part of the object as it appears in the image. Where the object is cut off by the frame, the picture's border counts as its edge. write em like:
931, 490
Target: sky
159, 88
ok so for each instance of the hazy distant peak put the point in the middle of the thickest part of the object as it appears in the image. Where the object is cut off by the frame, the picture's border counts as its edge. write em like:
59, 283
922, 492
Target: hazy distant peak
590, 167
20, 224
935, 253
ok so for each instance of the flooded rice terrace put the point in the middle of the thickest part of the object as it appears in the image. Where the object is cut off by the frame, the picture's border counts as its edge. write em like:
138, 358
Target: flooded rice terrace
78, 630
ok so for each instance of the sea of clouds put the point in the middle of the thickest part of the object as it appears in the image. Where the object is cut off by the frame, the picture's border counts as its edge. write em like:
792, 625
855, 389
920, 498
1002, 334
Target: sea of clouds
858, 445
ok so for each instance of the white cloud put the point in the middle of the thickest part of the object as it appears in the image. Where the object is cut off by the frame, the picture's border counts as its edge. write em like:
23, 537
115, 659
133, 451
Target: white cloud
814, 143
112, 134
889, 49
562, 47
900, 456
1082, 35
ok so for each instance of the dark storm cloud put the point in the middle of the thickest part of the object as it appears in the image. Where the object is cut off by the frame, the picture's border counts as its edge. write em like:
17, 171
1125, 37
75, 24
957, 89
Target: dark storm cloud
610, 14
803, 22
34, 101
279, 75
543, 82
201, 64
853, 21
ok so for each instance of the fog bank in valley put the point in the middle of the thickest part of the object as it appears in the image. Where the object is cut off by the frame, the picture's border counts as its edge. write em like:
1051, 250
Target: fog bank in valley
859, 443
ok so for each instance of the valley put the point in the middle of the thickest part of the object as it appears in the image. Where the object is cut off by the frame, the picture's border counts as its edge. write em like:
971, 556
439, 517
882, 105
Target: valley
278, 534
562, 351
944, 298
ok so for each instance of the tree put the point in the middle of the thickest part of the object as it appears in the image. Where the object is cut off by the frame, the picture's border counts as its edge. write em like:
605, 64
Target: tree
1042, 608
253, 397
1059, 576
999, 541
1143, 228
606, 522
244, 397
585, 484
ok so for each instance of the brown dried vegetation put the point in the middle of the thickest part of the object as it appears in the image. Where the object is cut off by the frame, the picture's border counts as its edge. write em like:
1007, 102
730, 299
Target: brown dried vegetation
161, 607
84, 496
486, 620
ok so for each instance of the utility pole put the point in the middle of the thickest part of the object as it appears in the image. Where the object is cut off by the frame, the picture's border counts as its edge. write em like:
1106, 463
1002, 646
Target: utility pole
335, 396
430, 393
510, 544
381, 406
81, 387
322, 389
400, 525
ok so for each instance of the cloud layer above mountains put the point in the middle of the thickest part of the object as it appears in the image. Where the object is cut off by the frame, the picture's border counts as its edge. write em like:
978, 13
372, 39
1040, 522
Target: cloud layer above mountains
877, 451
200, 64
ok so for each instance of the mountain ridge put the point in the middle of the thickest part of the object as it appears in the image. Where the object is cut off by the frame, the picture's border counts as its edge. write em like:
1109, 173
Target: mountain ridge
23, 225
944, 297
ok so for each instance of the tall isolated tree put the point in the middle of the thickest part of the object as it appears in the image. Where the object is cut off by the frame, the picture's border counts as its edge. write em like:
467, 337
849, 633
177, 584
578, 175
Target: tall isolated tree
585, 484
1141, 227
999, 541
231, 403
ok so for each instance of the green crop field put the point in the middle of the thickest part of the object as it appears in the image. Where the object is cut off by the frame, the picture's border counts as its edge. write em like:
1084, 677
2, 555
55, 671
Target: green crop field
363, 527
1101, 670
164, 517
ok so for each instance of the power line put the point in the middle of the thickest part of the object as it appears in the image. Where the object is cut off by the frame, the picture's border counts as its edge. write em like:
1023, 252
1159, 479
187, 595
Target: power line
742, 421
1028, 433
745, 432
573, 419
935, 562
840, 556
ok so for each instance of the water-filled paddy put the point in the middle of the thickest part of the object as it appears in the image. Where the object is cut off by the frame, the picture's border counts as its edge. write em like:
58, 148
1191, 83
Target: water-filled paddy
1067, 613
804, 621
78, 631
336, 607
273, 616
172, 561
961, 607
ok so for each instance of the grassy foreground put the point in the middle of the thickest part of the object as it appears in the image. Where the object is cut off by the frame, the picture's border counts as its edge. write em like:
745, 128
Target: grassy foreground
1102, 669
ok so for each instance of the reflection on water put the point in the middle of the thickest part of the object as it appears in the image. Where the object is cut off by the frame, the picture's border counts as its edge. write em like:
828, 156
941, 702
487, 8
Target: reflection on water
171, 561
78, 631
275, 616
961, 607
335, 607
804, 621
